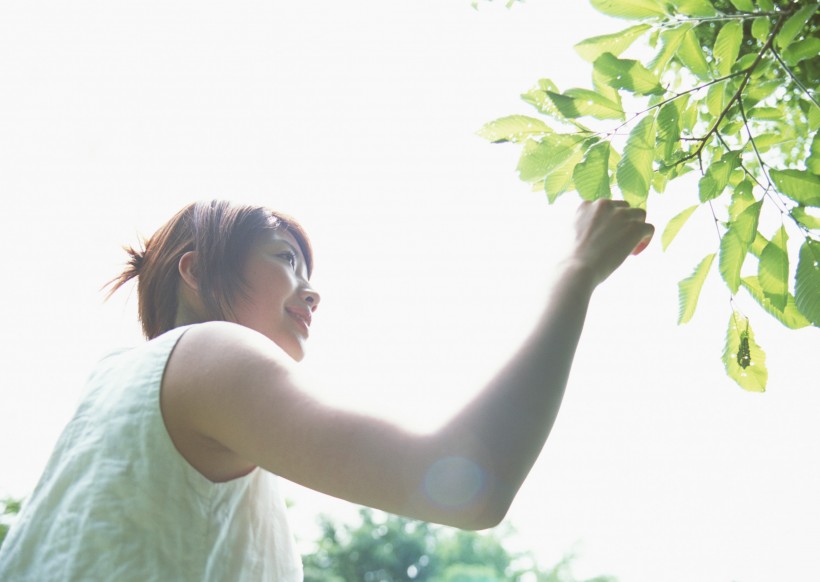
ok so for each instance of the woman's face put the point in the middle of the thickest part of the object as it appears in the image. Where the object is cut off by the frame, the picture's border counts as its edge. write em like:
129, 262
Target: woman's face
279, 302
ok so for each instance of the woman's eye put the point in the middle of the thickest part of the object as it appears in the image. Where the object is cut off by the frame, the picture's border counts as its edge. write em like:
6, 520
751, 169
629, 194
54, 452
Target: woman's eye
290, 257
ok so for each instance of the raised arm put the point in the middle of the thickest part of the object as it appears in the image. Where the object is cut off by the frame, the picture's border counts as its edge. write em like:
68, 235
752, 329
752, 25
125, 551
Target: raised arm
230, 404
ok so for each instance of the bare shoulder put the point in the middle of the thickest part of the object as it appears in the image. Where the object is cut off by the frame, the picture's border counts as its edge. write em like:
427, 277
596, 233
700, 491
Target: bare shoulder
216, 357
214, 368
220, 342
218, 361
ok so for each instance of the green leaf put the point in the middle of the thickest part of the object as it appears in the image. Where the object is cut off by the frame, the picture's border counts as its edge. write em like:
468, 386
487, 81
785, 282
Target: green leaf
717, 177
743, 5
732, 253
761, 27
715, 98
727, 46
627, 74
707, 188
675, 224
765, 141
559, 180
629, 9
565, 105
537, 97
595, 104
765, 113
790, 316
616, 43
634, 173
744, 360
807, 281
730, 127
814, 118
758, 244
808, 220
813, 161
691, 55
513, 128
773, 270
669, 130
744, 62
695, 8
801, 186
539, 158
583, 102
600, 85
671, 39
742, 198
760, 90
766, 5
745, 225
688, 119
591, 176
798, 51
689, 289
794, 25
659, 182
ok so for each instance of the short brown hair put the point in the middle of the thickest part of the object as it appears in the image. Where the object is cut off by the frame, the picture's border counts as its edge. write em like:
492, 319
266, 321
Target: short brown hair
222, 234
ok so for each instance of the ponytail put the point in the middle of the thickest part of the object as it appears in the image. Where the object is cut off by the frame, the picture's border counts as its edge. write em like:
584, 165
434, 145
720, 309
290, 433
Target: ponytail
133, 267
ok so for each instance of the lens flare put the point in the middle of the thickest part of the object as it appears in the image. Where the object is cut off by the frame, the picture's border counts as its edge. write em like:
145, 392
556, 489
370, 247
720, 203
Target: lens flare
453, 481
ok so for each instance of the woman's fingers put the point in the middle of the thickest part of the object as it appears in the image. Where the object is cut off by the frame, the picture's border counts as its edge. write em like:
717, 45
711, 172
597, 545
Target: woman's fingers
639, 248
607, 232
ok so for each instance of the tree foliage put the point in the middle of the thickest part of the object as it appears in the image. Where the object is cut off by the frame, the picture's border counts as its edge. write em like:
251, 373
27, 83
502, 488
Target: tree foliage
9, 508
388, 548
724, 88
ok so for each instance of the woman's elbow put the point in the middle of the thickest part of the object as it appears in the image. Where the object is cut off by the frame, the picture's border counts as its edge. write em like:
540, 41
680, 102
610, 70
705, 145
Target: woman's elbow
486, 517
463, 495
487, 520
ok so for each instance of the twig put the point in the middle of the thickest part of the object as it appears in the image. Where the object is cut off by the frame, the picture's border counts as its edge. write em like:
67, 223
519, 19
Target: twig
754, 145
738, 93
795, 79
669, 100
738, 16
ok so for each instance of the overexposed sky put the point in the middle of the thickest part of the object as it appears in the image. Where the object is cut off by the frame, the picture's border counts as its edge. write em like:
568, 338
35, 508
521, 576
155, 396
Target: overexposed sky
359, 118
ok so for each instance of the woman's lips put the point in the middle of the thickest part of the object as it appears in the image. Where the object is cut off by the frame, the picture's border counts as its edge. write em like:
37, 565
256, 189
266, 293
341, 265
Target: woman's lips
303, 317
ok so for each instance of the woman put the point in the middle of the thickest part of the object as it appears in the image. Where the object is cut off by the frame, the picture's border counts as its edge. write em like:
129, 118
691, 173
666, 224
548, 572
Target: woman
166, 470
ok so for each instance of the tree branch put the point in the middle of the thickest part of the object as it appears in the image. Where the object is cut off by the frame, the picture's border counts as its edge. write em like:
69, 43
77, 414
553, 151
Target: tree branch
754, 147
669, 100
738, 93
782, 206
795, 79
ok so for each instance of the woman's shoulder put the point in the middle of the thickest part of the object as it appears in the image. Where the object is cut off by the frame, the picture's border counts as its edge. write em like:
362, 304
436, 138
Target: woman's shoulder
224, 339
214, 367
217, 354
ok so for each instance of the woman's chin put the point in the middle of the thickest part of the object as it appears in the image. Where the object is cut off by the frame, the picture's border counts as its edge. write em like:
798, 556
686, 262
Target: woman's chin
293, 348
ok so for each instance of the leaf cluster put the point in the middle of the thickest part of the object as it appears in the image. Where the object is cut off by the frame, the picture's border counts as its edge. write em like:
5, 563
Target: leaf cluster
724, 88
385, 548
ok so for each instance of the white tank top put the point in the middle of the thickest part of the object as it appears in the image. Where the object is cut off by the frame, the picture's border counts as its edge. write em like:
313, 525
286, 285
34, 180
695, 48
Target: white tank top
118, 502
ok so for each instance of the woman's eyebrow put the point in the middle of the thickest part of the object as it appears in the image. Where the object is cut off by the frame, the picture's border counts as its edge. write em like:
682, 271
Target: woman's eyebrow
297, 252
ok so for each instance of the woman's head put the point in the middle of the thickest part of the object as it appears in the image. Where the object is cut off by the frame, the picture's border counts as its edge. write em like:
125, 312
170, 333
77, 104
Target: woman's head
193, 268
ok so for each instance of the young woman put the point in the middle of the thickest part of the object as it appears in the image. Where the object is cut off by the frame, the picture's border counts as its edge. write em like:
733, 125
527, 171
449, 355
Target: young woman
166, 472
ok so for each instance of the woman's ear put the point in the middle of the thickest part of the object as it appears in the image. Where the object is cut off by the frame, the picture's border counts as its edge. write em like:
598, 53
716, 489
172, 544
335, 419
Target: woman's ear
187, 270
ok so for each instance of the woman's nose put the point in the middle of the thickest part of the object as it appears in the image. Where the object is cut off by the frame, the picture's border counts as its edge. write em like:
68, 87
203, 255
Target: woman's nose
312, 298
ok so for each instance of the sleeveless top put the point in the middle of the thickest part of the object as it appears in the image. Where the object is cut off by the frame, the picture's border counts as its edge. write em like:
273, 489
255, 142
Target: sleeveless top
118, 502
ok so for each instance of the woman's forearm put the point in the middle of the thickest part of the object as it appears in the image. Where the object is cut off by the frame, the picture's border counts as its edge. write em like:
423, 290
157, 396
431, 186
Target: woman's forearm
501, 433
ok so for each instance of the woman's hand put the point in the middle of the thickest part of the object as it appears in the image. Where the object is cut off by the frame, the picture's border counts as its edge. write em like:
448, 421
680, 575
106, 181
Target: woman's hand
607, 231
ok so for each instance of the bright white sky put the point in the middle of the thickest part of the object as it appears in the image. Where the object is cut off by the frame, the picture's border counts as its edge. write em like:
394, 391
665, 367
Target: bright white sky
358, 117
